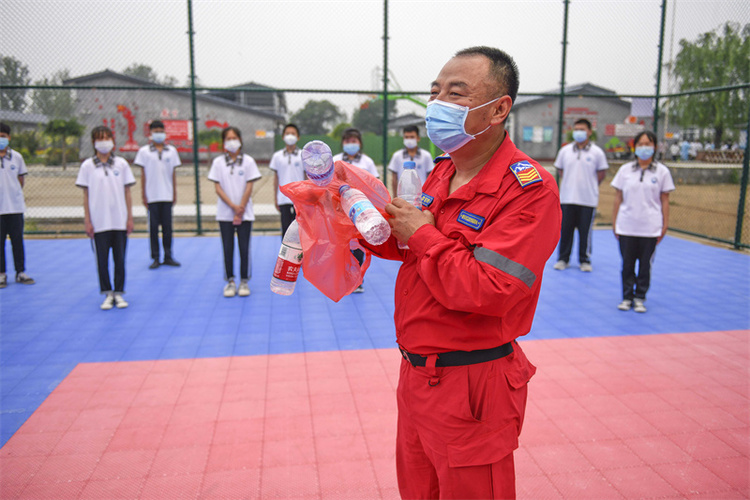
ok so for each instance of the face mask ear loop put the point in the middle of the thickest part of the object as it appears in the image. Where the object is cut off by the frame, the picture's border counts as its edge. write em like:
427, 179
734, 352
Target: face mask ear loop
472, 109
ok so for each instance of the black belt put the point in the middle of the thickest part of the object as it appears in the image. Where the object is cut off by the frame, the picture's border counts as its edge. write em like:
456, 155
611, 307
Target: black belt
460, 358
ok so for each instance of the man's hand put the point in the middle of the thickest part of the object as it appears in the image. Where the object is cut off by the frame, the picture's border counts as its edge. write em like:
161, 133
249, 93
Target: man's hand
89, 228
145, 201
129, 226
407, 219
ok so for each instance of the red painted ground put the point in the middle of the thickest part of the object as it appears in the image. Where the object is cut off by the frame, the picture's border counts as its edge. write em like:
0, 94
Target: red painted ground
662, 416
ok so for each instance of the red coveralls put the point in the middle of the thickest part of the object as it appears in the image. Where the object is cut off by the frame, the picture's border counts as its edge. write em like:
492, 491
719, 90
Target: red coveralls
471, 282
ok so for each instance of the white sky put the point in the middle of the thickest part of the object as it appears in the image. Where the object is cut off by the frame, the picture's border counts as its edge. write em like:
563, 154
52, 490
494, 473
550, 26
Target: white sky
338, 44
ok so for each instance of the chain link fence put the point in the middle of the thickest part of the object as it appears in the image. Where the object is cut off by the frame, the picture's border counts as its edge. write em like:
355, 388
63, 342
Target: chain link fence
679, 67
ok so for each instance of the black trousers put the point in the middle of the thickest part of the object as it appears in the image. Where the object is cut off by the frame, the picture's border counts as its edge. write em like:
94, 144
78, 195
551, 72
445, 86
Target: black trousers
632, 249
104, 241
12, 225
244, 231
160, 214
287, 217
581, 218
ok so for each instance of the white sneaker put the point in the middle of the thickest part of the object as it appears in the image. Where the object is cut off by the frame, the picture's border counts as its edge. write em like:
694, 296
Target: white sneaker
120, 303
586, 267
24, 279
230, 289
560, 265
639, 307
3, 280
244, 290
625, 305
109, 302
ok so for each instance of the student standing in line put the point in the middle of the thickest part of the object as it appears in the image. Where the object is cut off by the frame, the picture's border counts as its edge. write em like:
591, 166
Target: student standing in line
233, 174
12, 206
287, 166
108, 211
640, 218
159, 162
411, 152
351, 143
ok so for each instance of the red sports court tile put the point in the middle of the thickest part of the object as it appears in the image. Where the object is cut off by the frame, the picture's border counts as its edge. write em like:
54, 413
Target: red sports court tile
69, 467
113, 489
612, 454
715, 418
172, 487
734, 471
559, 458
348, 479
289, 481
98, 419
385, 473
222, 485
581, 430
590, 484
289, 452
291, 406
147, 416
198, 434
241, 410
180, 461
70, 490
129, 464
639, 482
137, 438
344, 448
704, 446
236, 455
672, 422
739, 439
26, 444
537, 487
83, 442
627, 426
658, 450
691, 478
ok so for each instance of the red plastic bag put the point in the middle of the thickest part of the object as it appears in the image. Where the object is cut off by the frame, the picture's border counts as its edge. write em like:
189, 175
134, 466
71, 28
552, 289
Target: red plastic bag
326, 232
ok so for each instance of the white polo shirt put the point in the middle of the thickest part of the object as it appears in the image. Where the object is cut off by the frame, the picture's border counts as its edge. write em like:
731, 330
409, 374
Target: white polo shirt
422, 159
579, 184
106, 184
640, 212
12, 167
289, 168
361, 160
159, 169
233, 178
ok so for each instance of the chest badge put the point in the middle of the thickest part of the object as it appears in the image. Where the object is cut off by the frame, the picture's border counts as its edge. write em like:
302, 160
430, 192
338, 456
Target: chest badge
427, 200
526, 173
472, 220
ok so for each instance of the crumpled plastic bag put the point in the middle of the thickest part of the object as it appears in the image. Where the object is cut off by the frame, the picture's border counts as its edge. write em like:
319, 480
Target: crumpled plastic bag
326, 232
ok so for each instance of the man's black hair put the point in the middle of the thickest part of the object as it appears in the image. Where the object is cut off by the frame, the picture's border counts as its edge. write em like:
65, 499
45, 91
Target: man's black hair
292, 125
583, 121
156, 124
411, 128
502, 68
101, 132
351, 132
651, 137
4, 128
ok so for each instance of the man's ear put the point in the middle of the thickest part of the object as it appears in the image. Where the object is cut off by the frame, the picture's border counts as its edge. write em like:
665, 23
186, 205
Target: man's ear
501, 110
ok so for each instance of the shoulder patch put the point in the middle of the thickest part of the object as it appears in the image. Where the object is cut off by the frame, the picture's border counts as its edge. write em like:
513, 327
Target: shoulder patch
441, 158
472, 220
526, 173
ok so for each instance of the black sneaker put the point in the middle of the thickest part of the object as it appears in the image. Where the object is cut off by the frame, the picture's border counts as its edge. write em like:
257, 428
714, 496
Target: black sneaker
24, 279
154, 264
3, 280
169, 261
359, 289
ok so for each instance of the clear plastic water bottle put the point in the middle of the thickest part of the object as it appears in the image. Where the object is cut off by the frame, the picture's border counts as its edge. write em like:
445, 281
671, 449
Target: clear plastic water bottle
317, 160
409, 189
288, 262
370, 224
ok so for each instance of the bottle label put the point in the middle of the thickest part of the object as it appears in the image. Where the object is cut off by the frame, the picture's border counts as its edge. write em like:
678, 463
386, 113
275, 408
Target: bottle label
358, 208
286, 270
290, 253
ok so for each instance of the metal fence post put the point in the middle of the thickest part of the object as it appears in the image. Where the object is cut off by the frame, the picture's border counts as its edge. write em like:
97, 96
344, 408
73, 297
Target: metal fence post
196, 157
385, 92
560, 120
743, 185
658, 68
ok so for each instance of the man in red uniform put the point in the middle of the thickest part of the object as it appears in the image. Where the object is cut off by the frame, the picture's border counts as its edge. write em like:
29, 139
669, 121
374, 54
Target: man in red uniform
468, 287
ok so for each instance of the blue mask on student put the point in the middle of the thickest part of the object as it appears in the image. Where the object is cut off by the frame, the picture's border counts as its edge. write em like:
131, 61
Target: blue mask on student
580, 136
351, 148
158, 137
4, 142
644, 152
445, 123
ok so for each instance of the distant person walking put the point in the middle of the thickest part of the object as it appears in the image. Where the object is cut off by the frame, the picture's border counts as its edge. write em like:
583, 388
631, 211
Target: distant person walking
287, 166
233, 174
640, 218
582, 166
158, 162
108, 211
12, 206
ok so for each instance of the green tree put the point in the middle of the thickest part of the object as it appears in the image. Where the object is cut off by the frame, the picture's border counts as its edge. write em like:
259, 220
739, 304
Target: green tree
62, 130
369, 116
338, 130
13, 72
55, 103
717, 58
317, 117
146, 72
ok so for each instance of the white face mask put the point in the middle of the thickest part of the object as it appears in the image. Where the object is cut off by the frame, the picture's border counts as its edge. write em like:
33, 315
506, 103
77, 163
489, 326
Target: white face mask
232, 145
410, 143
290, 139
104, 147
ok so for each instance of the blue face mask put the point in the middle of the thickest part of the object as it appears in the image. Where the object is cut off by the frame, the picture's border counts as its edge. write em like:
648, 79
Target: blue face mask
580, 136
644, 152
158, 137
351, 148
4, 142
445, 123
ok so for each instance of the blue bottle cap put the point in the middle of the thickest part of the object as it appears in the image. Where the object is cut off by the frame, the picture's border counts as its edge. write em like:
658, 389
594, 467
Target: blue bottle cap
343, 188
